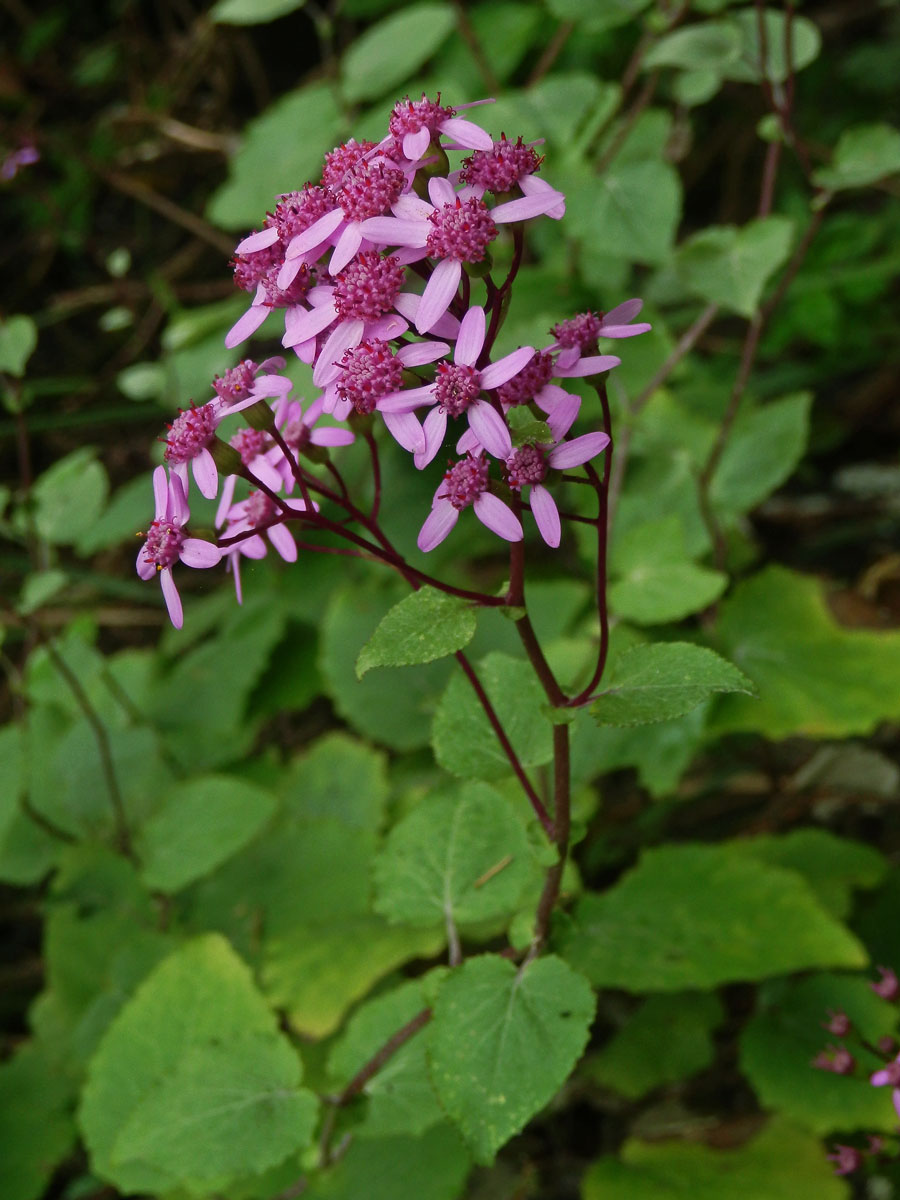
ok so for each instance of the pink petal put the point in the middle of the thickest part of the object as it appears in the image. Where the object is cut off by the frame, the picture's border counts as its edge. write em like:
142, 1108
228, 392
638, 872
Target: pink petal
281, 539
289, 271
580, 450
419, 353
526, 207
492, 512
408, 303
440, 191
407, 400
471, 337
623, 313
437, 525
317, 233
415, 144
257, 241
225, 500
195, 552
490, 429
434, 430
347, 245
395, 231
405, 429
550, 396
546, 514
205, 473
625, 331
160, 493
342, 338
331, 435
263, 470
439, 293
533, 184
410, 207
301, 324
504, 368
563, 416
171, 597
386, 328
234, 564
468, 134
144, 568
468, 441
246, 325
587, 366
177, 506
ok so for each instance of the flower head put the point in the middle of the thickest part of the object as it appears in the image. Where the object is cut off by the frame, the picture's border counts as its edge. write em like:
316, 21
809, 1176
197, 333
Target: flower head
167, 542
466, 483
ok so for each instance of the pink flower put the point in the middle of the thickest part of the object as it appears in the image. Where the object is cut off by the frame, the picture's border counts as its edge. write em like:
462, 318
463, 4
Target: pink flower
505, 166
847, 1159
455, 228
414, 123
457, 389
888, 987
464, 484
167, 543
258, 511
580, 333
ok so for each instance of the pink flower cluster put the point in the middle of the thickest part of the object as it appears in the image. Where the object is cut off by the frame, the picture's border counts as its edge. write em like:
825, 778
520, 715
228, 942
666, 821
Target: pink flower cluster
374, 267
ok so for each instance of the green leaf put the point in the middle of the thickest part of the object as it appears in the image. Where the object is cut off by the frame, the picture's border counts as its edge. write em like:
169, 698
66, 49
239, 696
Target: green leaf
814, 677
280, 149
18, 338
667, 1039
657, 581
767, 1168
426, 625
36, 1128
864, 154
708, 45
832, 866
502, 1042
401, 1098
252, 12
201, 823
662, 680
785, 1034
431, 1167
697, 916
691, 88
372, 66
462, 856
600, 17
464, 740
753, 65
317, 972
338, 778
730, 266
402, 724
69, 495
40, 587
762, 451
631, 211
193, 1084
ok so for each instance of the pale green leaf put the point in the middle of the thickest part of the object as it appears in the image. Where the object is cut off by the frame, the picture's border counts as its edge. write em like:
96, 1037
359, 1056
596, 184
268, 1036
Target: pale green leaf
785, 1034
762, 451
708, 45
596, 18
464, 740
754, 65
401, 1098
338, 778
692, 916
18, 338
631, 211
772, 1166
69, 495
814, 677
201, 823
36, 1127
667, 1039
252, 12
864, 154
502, 1042
462, 856
655, 581
431, 1167
394, 49
426, 625
662, 680
193, 1083
280, 150
729, 266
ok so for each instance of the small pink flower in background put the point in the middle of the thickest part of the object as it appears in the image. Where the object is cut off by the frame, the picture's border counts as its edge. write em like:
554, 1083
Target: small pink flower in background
167, 542
505, 166
888, 1076
835, 1058
457, 389
580, 333
258, 511
888, 986
26, 154
846, 1160
466, 483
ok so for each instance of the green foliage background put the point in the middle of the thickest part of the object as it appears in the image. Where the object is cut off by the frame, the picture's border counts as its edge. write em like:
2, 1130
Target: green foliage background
232, 857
